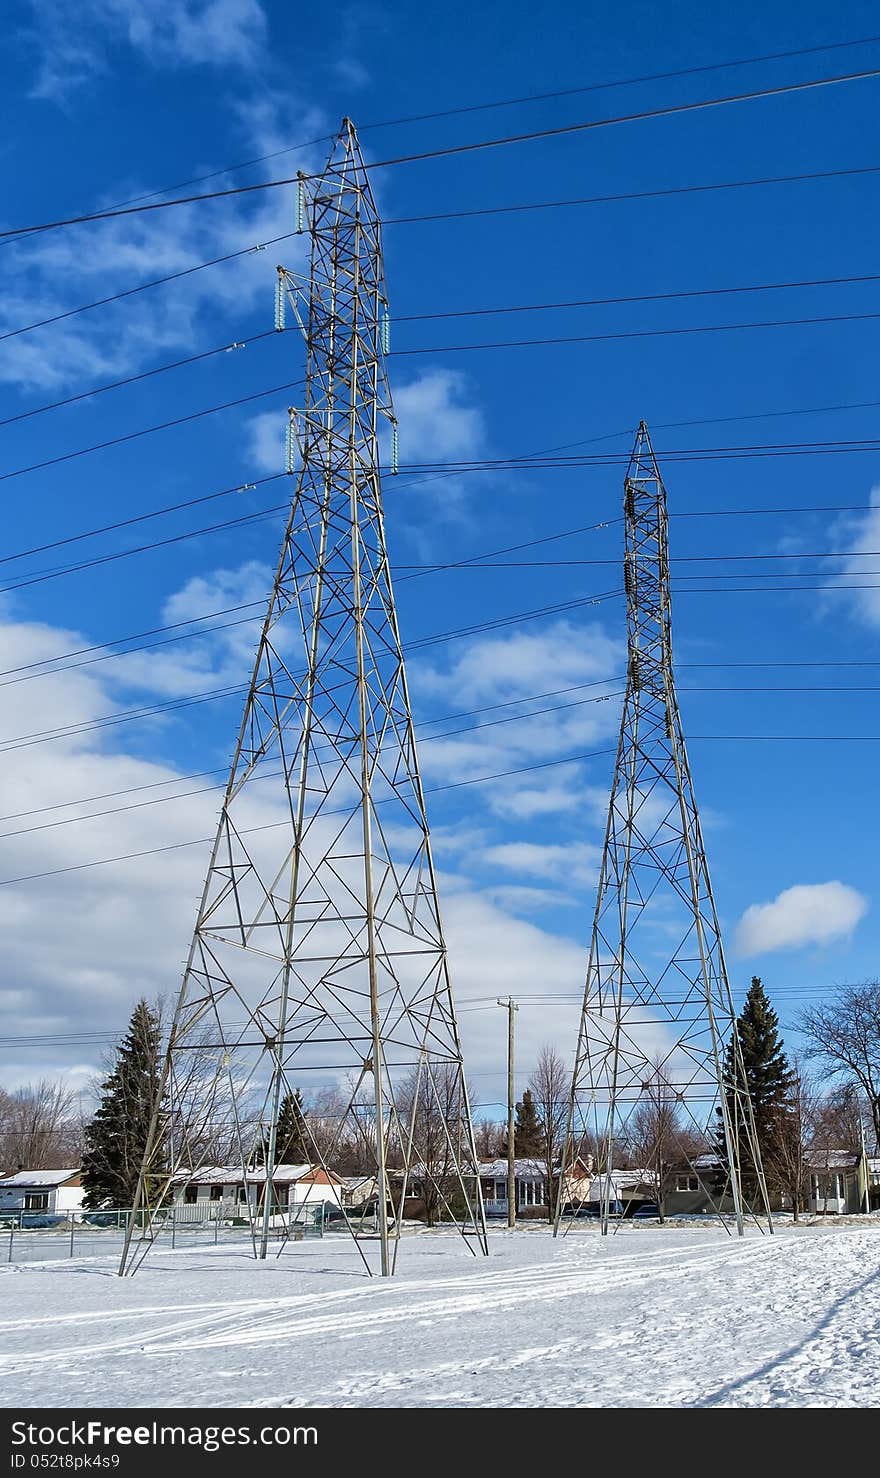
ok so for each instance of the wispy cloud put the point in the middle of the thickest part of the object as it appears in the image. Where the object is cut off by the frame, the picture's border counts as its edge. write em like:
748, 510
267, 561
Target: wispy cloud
75, 39
858, 534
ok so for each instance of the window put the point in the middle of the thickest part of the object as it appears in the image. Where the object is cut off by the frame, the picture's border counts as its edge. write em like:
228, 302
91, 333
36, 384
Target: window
687, 1183
216, 1193
501, 1190
36, 1201
242, 1196
190, 1195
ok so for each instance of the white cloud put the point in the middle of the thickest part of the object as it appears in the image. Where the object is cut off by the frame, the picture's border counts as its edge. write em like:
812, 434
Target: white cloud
192, 313
77, 38
862, 533
437, 420
80, 946
809, 913
577, 861
268, 438
531, 801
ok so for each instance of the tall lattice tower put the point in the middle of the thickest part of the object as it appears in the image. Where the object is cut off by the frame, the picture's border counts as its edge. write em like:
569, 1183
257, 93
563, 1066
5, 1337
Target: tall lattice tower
318, 944
658, 1070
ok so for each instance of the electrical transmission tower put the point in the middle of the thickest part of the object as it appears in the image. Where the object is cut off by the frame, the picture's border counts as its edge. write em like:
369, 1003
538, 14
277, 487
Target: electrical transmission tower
658, 1069
318, 944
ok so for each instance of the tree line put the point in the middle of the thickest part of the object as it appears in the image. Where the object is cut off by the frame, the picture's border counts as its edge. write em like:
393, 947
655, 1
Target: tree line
798, 1113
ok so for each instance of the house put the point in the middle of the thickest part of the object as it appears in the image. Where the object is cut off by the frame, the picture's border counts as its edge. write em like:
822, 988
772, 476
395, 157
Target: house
690, 1188
530, 1183
51, 1191
220, 1191
357, 1190
630, 1188
842, 1182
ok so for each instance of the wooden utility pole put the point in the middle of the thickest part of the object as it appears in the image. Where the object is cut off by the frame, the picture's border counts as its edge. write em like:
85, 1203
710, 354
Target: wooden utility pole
511, 1006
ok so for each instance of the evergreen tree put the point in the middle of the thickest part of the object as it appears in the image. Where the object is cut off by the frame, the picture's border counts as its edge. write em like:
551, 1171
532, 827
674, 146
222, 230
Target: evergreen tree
290, 1141
116, 1138
528, 1134
291, 1147
769, 1080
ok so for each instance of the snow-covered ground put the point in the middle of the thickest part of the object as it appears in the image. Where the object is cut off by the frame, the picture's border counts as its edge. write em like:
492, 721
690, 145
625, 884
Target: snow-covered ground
676, 1317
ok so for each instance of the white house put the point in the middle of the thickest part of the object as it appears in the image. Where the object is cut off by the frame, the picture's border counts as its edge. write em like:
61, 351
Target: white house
220, 1190
530, 1182
51, 1191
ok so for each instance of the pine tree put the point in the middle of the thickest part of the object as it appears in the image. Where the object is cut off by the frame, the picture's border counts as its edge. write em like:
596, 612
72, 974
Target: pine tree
528, 1133
770, 1083
291, 1145
116, 1138
290, 1139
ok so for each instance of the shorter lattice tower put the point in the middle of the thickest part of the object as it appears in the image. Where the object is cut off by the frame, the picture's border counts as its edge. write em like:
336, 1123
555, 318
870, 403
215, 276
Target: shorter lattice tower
318, 950
658, 1073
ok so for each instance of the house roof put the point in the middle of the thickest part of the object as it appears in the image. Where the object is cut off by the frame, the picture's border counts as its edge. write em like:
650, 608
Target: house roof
232, 1174
38, 1178
523, 1169
832, 1159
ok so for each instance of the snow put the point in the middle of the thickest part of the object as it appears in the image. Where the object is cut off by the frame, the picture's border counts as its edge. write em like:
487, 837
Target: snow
38, 1178
673, 1317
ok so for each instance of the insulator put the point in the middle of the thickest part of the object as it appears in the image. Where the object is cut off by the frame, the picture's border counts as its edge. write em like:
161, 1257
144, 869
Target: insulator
291, 444
635, 671
395, 449
627, 577
300, 204
280, 297
385, 330
629, 501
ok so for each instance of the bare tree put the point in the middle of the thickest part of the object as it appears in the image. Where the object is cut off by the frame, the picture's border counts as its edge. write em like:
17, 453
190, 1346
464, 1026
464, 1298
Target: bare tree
487, 1137
39, 1127
844, 1036
549, 1085
786, 1157
431, 1106
655, 1132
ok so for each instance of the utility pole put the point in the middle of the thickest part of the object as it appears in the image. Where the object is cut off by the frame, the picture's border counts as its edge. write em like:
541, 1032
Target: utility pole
654, 884
511, 1007
318, 941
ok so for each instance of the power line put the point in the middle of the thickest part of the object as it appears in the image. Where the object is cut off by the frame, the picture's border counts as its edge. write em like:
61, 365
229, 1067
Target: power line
423, 739
473, 562
141, 287
101, 559
149, 430
159, 369
453, 150
511, 308
657, 297
503, 463
434, 790
645, 115
506, 103
629, 195
125, 523
425, 641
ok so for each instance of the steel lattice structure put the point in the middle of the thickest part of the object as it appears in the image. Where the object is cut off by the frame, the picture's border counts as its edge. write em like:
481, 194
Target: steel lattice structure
658, 1066
318, 943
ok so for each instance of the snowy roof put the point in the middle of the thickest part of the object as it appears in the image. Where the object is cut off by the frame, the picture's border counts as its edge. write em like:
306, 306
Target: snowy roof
620, 1180
525, 1169
232, 1174
832, 1159
38, 1178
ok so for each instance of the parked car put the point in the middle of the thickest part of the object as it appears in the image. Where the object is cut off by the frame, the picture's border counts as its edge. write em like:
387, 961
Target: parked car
42, 1219
593, 1209
647, 1211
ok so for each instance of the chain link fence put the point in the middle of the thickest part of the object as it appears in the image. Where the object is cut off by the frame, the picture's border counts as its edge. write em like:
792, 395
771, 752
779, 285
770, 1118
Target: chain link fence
43, 1236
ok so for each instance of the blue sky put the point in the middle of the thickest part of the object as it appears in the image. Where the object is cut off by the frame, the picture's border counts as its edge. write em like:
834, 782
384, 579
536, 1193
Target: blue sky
105, 100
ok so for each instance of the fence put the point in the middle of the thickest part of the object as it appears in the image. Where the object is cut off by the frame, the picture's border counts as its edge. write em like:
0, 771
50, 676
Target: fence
41, 1236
